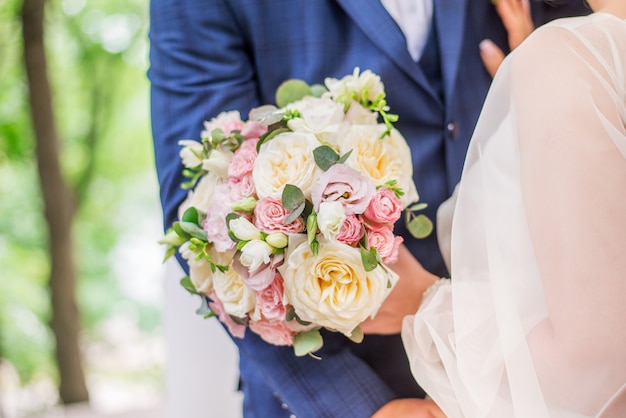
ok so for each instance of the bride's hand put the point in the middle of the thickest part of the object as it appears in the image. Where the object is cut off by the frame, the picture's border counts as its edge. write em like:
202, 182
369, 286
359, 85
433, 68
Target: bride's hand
410, 408
517, 21
404, 299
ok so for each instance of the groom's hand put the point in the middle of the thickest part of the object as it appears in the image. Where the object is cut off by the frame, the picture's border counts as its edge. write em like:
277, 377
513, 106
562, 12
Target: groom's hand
517, 21
404, 299
410, 408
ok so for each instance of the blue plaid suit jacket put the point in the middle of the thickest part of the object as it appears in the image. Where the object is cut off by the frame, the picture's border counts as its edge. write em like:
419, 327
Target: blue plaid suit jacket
209, 56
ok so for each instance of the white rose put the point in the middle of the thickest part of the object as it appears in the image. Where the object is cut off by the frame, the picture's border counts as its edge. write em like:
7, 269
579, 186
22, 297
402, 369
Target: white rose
321, 117
244, 230
330, 218
286, 159
381, 159
238, 300
332, 289
201, 196
190, 152
365, 85
218, 162
255, 253
200, 270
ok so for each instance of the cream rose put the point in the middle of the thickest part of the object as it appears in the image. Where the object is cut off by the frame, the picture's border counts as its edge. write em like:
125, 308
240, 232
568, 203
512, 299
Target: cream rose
383, 159
330, 218
200, 197
332, 289
218, 163
200, 270
238, 299
190, 152
321, 117
286, 159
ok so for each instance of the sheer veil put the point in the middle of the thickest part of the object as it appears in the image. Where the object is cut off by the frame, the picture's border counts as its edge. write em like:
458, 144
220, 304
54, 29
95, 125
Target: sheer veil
532, 323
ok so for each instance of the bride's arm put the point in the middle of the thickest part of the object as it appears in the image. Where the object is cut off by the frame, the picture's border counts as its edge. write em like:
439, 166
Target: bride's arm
570, 114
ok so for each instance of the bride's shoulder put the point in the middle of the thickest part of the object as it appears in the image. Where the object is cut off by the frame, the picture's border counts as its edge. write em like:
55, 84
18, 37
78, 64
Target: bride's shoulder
564, 43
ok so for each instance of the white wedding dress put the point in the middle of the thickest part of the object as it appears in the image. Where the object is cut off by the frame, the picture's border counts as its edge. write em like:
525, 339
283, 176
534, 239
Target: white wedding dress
533, 322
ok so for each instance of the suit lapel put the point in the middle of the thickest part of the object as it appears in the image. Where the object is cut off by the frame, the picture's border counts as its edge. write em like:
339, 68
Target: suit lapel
379, 26
450, 22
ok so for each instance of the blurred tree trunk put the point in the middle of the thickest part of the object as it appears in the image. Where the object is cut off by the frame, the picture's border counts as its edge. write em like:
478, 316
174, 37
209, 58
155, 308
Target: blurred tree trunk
59, 208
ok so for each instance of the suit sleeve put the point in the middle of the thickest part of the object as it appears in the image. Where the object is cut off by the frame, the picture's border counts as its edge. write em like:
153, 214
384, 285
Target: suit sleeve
200, 66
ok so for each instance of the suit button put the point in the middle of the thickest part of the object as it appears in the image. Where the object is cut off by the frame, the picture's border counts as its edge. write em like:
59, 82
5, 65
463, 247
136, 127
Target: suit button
452, 130
285, 406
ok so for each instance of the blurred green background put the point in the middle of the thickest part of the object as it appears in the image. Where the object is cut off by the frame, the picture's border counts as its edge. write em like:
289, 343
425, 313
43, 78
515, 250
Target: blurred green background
97, 54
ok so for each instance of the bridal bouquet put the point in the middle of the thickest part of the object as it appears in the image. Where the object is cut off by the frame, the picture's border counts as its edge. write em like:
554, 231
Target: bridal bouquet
290, 221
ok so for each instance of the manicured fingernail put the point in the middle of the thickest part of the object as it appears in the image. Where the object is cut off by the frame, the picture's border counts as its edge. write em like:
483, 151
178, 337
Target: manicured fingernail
487, 47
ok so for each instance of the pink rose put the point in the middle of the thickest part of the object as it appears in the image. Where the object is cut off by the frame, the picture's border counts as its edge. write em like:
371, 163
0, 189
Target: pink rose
259, 279
272, 331
270, 215
243, 161
253, 130
270, 299
232, 125
235, 329
386, 243
384, 208
351, 231
242, 188
343, 184
215, 221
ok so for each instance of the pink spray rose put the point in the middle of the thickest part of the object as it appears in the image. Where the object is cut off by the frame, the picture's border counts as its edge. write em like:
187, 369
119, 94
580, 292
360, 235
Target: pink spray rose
272, 331
235, 329
386, 243
241, 188
270, 215
384, 208
243, 160
259, 279
351, 231
253, 131
343, 184
215, 221
270, 299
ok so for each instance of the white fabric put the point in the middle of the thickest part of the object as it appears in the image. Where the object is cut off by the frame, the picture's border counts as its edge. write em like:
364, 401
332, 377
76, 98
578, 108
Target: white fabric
414, 18
533, 323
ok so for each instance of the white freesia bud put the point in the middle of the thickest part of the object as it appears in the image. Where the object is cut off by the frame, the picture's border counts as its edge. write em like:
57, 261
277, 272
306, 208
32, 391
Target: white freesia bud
245, 205
190, 153
330, 218
244, 230
255, 253
277, 240
218, 162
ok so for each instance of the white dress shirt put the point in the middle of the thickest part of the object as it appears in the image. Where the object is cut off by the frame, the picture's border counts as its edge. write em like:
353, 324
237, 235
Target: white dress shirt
414, 18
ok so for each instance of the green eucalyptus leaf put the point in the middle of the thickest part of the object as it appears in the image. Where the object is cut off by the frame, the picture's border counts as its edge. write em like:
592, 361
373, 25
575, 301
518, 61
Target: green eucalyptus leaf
194, 230
191, 215
307, 342
420, 226
325, 157
269, 135
291, 91
369, 258
291, 314
417, 206
294, 214
317, 90
180, 231
187, 284
204, 307
344, 157
292, 197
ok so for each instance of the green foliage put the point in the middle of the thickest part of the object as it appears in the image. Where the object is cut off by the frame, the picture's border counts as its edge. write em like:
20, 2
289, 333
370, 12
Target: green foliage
307, 342
291, 91
96, 63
